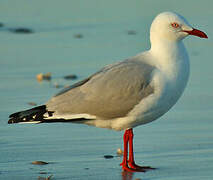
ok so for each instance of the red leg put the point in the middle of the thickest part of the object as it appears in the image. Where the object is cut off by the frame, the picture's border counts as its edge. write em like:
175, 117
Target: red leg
125, 161
131, 161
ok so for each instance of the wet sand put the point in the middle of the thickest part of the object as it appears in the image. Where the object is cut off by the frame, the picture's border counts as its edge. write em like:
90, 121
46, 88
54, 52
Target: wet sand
179, 144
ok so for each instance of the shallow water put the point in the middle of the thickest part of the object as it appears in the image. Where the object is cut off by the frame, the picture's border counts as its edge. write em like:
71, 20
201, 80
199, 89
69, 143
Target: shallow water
179, 144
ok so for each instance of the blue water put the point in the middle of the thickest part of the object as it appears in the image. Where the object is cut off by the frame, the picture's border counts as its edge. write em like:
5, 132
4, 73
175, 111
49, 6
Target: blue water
179, 144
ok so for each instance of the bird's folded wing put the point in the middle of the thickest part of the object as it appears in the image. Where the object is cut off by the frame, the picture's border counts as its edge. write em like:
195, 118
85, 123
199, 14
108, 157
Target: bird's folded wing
109, 93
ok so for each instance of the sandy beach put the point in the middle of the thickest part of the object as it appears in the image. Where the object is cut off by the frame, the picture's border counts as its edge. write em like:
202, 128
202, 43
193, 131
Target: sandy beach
80, 37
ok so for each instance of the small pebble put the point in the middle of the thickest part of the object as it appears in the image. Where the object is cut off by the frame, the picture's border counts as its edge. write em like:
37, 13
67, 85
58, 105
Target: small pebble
66, 86
119, 152
41, 76
44, 178
32, 104
71, 76
21, 30
108, 156
131, 32
47, 76
39, 163
56, 85
78, 36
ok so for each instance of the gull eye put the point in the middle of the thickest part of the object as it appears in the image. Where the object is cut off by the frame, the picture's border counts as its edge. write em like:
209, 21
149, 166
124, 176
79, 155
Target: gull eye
175, 25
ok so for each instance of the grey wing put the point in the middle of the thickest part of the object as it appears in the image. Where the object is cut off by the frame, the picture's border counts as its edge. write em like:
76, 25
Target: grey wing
82, 81
110, 93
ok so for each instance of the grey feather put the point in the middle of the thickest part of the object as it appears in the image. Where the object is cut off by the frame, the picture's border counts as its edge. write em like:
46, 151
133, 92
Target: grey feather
109, 93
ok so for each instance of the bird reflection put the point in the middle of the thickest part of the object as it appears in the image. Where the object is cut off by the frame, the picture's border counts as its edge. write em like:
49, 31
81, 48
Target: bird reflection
127, 175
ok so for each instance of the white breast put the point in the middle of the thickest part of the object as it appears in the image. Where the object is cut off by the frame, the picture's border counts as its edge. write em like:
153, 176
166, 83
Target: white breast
169, 81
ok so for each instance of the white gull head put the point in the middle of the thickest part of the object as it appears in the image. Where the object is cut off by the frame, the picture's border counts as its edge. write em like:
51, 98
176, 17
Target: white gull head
172, 27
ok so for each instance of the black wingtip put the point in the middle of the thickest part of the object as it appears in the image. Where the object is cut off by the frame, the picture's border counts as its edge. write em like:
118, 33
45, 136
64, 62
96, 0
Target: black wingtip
12, 121
14, 114
27, 115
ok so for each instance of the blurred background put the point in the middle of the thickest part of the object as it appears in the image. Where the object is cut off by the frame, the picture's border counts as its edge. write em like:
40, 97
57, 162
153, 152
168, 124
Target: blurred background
78, 37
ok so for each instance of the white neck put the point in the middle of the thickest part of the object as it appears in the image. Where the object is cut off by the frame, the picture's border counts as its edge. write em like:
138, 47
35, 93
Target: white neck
171, 56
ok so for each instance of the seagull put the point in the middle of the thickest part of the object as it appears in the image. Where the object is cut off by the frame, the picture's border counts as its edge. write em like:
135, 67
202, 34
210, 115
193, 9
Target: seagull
129, 93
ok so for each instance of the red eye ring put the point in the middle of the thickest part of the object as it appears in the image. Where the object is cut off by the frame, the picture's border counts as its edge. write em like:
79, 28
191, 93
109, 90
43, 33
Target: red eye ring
175, 25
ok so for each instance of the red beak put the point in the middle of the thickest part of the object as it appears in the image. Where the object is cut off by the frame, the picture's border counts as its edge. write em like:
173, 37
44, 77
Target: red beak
196, 32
